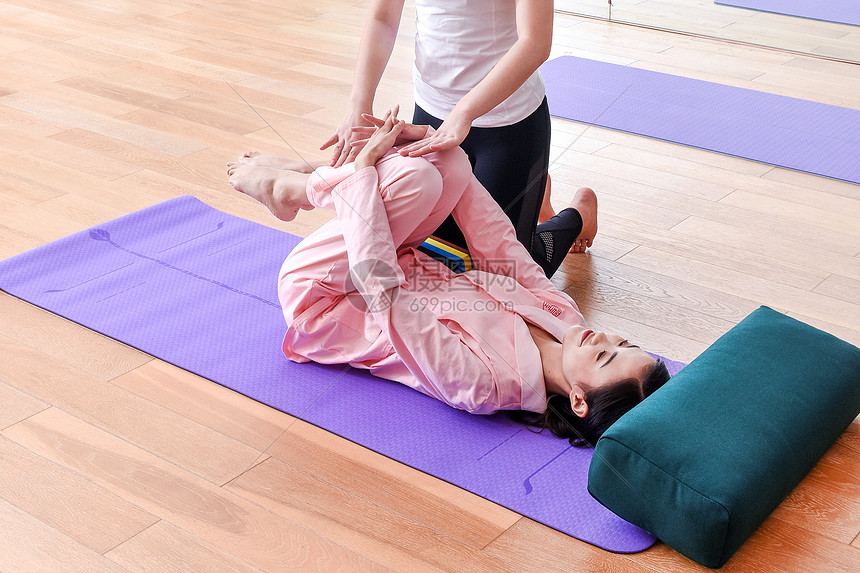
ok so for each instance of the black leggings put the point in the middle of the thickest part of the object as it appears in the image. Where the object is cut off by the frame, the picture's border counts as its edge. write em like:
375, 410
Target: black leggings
511, 162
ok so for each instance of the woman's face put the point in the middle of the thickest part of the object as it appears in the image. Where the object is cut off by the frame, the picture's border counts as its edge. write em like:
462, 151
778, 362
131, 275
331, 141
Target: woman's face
593, 359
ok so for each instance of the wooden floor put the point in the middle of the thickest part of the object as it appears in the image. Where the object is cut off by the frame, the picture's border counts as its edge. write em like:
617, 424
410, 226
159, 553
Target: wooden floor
708, 19
111, 460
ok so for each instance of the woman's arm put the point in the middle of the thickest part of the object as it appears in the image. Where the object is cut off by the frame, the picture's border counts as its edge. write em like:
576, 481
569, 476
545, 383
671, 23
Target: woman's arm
493, 247
534, 41
374, 51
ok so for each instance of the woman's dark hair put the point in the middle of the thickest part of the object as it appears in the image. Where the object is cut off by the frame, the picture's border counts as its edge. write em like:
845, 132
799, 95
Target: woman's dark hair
605, 406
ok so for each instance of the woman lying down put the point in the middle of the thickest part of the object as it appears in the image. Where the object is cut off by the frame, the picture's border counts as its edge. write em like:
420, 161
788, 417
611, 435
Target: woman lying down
500, 337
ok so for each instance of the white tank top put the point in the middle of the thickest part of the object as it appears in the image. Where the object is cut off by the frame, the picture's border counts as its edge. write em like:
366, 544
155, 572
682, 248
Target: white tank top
457, 43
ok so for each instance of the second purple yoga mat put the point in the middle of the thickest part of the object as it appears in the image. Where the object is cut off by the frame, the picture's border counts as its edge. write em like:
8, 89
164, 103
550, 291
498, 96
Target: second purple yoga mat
838, 11
197, 288
783, 131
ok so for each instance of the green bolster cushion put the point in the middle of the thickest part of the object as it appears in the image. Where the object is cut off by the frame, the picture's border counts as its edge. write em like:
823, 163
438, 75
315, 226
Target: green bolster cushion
706, 458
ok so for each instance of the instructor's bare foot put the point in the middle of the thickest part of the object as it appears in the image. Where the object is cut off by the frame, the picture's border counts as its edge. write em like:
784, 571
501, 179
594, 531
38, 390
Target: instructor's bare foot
283, 192
258, 159
585, 201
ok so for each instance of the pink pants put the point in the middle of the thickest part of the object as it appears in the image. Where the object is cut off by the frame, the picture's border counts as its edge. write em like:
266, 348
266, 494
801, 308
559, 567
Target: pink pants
418, 194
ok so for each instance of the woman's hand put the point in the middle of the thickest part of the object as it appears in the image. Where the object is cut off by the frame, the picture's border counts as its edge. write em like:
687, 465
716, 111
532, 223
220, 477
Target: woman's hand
450, 134
344, 137
381, 141
410, 132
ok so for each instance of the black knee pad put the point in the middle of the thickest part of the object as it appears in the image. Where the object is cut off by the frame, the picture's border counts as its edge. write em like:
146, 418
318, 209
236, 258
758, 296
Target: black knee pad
554, 238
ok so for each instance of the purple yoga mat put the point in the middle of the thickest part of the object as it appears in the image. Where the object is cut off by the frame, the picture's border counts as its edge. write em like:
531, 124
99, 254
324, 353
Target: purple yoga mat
786, 132
197, 288
839, 11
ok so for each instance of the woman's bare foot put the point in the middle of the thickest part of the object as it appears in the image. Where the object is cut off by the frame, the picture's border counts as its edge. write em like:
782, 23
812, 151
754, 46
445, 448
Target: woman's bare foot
283, 192
585, 201
546, 210
258, 159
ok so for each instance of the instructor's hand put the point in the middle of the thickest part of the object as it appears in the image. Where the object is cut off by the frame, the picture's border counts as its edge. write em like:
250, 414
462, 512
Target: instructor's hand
450, 134
381, 141
342, 140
